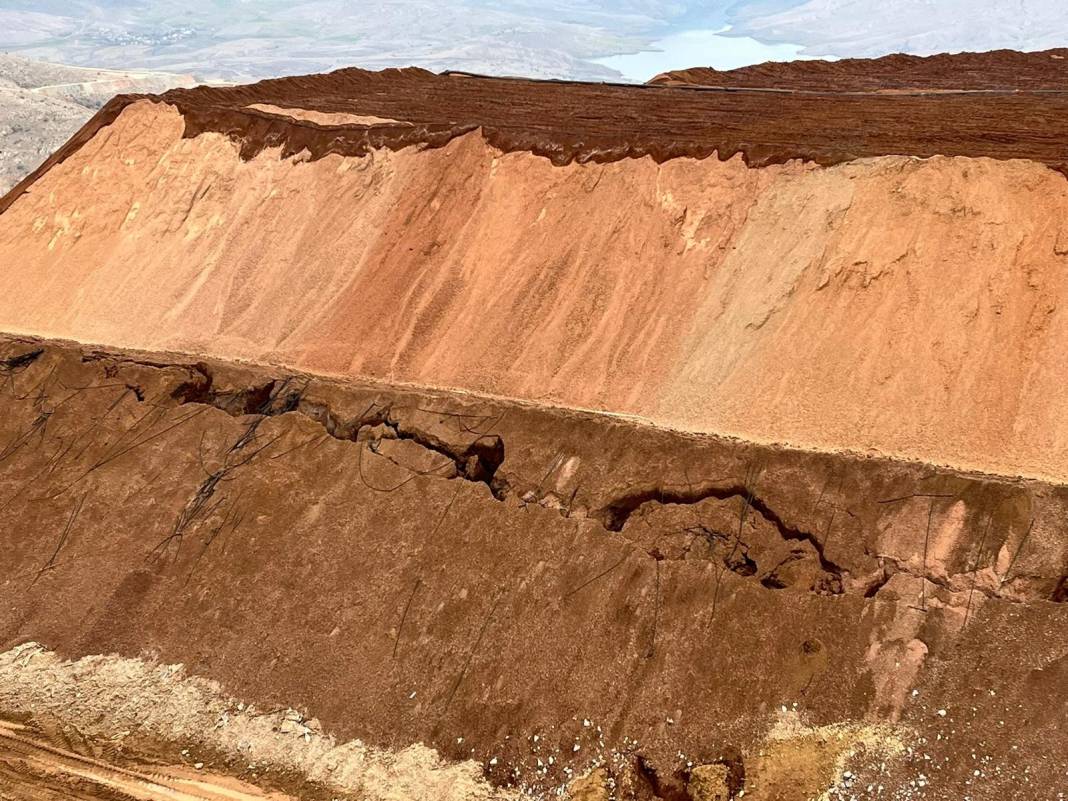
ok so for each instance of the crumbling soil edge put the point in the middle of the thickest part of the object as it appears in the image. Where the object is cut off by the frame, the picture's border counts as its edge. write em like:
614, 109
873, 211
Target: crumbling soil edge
190, 360
480, 460
226, 111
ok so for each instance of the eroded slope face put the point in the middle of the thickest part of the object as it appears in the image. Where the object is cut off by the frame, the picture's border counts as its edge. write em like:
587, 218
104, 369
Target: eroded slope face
540, 591
548, 598
908, 307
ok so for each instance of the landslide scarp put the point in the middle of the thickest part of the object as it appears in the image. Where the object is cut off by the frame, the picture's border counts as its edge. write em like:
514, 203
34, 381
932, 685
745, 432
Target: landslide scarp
498, 416
313, 544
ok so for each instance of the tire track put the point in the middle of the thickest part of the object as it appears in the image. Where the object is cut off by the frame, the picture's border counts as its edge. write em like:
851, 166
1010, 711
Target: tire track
36, 768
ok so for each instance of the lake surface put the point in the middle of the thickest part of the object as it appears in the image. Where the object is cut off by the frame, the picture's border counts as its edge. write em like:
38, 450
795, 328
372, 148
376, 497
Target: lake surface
700, 48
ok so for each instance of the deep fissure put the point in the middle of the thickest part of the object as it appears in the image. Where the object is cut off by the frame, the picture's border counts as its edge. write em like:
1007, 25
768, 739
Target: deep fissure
614, 515
481, 459
480, 462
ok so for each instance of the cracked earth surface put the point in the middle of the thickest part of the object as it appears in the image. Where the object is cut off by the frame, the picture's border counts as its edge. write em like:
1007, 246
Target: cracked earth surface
203, 513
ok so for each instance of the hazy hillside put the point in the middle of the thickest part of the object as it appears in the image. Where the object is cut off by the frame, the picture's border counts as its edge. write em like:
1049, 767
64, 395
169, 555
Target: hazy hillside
230, 40
234, 40
44, 104
862, 28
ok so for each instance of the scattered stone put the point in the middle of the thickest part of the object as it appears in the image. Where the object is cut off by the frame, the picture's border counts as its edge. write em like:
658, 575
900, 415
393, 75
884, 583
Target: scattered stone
709, 783
591, 787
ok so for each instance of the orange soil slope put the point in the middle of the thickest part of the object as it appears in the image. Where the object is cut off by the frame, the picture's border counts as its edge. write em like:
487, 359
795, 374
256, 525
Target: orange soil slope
906, 306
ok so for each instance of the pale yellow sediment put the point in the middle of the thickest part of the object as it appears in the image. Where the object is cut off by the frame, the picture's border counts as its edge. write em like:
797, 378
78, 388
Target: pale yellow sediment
323, 117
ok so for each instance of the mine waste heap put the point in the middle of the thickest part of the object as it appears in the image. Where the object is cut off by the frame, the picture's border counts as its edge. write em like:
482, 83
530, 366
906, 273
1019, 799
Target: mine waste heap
392, 435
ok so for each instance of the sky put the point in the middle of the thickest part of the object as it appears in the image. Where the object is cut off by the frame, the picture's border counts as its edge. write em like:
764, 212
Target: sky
581, 39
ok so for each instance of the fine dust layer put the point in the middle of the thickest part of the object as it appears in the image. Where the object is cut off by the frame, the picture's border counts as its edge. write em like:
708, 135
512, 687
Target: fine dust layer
509, 583
998, 70
908, 307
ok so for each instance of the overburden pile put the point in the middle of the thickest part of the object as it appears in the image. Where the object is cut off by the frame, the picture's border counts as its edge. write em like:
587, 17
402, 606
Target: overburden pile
468, 438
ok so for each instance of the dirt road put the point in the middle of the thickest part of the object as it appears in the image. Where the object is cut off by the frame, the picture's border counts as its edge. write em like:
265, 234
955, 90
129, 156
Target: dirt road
33, 769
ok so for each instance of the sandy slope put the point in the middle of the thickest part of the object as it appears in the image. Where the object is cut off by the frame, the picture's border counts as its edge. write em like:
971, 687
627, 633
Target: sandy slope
912, 307
119, 700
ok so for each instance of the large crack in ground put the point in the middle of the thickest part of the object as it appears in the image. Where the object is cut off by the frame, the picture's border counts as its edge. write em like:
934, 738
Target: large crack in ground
479, 461
615, 514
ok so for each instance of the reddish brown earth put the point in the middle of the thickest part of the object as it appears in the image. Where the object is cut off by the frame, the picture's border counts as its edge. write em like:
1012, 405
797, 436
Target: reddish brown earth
678, 292
415, 565
994, 71
601, 122
367, 439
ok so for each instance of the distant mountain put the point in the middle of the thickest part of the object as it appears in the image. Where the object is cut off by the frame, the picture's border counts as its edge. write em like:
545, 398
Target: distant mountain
231, 39
42, 105
238, 40
864, 28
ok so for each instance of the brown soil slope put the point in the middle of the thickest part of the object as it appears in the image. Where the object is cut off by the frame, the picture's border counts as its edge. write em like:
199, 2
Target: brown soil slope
995, 71
436, 545
539, 590
565, 121
912, 307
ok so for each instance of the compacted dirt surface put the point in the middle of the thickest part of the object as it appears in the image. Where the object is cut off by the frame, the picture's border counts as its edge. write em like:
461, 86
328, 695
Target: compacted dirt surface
34, 769
393, 436
995, 71
540, 591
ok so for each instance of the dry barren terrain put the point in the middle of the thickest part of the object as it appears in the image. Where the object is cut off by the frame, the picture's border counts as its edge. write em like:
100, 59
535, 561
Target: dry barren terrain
42, 105
400, 436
